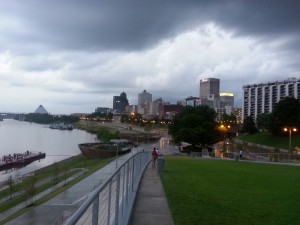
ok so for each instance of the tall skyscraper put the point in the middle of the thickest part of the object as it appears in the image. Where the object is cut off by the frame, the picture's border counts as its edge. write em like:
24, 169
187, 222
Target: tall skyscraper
210, 92
226, 99
209, 87
261, 98
120, 102
144, 100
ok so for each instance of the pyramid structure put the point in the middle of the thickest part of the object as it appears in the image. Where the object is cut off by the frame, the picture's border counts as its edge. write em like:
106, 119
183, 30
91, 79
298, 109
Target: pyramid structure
41, 110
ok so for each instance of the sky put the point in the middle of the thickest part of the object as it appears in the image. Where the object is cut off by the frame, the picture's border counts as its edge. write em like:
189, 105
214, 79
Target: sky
73, 56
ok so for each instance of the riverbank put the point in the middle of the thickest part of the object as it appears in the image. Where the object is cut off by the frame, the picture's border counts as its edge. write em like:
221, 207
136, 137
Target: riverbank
48, 177
133, 133
57, 144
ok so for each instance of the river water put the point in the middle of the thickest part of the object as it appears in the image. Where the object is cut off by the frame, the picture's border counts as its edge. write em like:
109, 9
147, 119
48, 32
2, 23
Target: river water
18, 137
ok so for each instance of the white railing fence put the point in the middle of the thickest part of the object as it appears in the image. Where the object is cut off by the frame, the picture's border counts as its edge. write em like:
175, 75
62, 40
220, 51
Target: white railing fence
111, 203
253, 156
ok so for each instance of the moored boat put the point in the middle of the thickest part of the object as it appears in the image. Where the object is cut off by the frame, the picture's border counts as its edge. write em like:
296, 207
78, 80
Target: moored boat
105, 150
61, 126
18, 160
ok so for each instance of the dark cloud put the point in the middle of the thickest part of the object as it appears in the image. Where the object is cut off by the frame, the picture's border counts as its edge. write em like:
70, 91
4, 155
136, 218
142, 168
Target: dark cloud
128, 25
100, 47
266, 18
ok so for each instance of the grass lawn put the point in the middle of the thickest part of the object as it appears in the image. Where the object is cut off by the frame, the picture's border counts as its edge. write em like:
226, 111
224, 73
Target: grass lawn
202, 191
266, 138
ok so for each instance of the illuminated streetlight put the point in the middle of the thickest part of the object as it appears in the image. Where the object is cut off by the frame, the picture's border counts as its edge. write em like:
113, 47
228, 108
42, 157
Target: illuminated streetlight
290, 129
224, 129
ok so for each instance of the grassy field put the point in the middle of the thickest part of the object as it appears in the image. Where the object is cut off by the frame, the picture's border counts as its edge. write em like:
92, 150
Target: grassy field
214, 192
265, 138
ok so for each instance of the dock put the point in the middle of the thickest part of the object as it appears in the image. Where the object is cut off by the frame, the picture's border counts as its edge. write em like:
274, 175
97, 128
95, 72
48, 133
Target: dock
18, 160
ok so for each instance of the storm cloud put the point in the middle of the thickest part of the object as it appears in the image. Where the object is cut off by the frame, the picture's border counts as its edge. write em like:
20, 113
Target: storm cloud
74, 56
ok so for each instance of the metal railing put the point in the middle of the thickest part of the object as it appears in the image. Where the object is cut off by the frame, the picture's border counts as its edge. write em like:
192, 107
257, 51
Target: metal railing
253, 156
112, 202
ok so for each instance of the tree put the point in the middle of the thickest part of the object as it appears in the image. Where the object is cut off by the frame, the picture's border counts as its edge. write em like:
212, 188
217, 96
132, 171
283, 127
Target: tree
264, 120
196, 126
286, 113
249, 125
11, 184
228, 119
30, 190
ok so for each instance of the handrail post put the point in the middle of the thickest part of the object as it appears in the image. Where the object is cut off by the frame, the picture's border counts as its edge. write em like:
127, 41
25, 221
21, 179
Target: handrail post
117, 199
109, 203
95, 211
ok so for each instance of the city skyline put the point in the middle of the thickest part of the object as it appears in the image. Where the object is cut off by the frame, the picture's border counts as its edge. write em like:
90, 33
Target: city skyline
74, 56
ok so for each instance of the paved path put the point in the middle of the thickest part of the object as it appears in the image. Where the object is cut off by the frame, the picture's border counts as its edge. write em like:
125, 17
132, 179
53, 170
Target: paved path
151, 206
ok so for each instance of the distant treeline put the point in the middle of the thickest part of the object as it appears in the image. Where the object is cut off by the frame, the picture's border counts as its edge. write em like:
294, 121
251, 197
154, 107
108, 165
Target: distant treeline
50, 119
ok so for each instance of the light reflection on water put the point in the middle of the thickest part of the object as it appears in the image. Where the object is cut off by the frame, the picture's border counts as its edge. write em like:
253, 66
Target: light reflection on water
18, 137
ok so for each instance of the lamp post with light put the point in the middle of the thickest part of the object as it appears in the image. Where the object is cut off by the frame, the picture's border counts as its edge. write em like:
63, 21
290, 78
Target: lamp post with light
290, 129
224, 129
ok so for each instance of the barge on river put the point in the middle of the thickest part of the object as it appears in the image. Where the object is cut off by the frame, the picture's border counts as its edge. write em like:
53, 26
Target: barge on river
18, 160
106, 150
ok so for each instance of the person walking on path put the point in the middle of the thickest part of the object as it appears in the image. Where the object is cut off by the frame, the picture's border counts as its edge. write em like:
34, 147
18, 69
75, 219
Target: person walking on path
241, 154
154, 157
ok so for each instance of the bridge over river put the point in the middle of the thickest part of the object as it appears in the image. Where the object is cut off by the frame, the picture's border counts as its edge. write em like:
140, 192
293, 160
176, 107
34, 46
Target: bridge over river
14, 116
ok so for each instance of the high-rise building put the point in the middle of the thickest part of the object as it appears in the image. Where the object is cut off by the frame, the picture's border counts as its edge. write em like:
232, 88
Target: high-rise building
144, 100
209, 87
226, 99
210, 92
120, 102
262, 97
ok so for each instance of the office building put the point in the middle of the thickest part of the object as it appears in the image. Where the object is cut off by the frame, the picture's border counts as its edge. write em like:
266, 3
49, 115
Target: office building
210, 92
225, 110
144, 100
209, 87
103, 110
262, 97
193, 101
120, 102
226, 99
155, 106
170, 111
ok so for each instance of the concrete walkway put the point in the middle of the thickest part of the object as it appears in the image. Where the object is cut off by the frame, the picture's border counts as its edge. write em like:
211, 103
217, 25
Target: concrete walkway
151, 206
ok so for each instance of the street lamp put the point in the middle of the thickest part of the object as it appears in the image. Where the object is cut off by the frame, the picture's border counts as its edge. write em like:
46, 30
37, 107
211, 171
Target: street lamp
290, 129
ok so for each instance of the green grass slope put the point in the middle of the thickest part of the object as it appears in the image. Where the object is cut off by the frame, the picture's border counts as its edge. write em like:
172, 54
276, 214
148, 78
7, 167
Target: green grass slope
225, 192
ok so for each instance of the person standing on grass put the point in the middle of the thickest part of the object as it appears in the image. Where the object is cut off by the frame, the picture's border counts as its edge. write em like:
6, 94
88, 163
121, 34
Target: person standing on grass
154, 157
241, 154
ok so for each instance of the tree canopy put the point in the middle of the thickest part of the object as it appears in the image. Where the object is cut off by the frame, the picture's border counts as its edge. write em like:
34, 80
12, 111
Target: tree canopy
48, 119
263, 121
286, 113
249, 125
195, 125
228, 118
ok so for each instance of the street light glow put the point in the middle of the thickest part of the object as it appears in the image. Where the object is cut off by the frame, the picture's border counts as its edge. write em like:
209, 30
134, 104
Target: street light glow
290, 129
